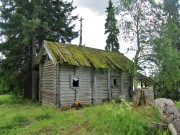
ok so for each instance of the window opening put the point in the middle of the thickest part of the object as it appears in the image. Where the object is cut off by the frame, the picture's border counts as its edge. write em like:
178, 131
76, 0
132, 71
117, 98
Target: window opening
74, 82
114, 82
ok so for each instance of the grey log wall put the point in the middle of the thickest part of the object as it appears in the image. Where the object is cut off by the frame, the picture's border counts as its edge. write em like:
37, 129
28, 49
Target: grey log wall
47, 83
55, 84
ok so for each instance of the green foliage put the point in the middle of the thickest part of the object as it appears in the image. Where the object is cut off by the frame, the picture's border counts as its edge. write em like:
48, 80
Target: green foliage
137, 27
171, 8
23, 23
177, 104
111, 29
167, 58
47, 114
109, 118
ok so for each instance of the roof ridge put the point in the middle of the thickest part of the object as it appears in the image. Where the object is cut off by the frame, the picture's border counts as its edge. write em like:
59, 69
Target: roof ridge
66, 45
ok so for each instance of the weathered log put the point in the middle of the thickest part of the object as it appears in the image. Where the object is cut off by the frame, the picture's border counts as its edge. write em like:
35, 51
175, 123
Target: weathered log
172, 129
169, 114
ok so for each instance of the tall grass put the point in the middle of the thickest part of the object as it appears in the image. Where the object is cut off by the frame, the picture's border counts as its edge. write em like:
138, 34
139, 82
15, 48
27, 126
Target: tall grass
106, 119
177, 104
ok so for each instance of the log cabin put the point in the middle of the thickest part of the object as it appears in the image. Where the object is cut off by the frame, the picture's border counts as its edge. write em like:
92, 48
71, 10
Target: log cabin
68, 73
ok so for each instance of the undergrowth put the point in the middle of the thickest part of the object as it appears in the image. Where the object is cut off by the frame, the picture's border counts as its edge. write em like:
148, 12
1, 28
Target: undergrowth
177, 104
22, 117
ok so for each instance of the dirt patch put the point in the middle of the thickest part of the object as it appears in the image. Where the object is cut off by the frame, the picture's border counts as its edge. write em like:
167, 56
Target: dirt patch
77, 127
47, 129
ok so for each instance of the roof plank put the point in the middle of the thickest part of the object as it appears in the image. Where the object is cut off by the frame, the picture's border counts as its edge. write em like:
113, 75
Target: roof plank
86, 56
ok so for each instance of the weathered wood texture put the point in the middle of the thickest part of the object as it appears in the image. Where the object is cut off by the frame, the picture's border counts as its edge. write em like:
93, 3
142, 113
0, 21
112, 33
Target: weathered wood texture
169, 114
83, 93
48, 83
94, 87
116, 90
143, 95
40, 81
67, 94
127, 85
102, 85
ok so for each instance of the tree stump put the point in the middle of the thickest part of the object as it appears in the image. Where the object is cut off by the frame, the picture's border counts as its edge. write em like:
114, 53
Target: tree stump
143, 95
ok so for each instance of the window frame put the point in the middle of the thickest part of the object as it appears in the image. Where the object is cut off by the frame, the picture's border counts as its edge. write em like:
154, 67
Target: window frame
73, 77
112, 81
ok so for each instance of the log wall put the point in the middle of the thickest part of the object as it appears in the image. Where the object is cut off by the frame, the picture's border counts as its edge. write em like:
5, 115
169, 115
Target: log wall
83, 93
55, 84
48, 83
127, 85
116, 90
67, 94
101, 85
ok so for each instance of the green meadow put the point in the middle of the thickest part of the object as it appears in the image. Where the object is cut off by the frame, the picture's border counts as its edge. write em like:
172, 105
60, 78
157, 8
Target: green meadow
23, 117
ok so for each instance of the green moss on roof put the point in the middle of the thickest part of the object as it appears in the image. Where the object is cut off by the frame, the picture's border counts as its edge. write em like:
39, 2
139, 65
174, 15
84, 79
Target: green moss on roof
85, 56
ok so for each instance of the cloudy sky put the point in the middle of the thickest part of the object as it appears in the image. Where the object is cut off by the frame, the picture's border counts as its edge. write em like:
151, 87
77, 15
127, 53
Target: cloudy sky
94, 15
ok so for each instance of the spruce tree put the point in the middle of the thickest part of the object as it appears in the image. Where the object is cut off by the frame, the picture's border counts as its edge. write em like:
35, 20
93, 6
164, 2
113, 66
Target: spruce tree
111, 29
24, 24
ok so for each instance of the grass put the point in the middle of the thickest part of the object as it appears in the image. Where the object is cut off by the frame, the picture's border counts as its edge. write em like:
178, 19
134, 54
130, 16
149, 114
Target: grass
177, 104
22, 117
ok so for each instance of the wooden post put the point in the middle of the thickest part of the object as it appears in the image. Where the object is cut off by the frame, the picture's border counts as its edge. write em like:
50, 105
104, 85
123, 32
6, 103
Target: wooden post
58, 85
95, 90
109, 85
80, 40
122, 84
40, 81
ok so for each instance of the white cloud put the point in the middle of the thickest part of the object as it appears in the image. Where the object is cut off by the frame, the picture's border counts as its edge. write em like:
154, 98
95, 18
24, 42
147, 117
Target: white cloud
93, 25
97, 6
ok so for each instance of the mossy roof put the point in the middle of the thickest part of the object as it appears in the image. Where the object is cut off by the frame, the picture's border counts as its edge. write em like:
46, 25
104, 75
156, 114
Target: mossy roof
84, 56
145, 79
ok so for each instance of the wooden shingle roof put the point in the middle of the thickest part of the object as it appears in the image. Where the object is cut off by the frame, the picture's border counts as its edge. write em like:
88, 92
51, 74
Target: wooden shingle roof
84, 56
145, 79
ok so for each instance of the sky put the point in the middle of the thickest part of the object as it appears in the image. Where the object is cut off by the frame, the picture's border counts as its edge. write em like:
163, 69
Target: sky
94, 15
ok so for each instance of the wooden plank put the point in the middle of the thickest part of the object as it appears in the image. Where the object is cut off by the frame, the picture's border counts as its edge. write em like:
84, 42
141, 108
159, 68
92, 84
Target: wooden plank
48, 92
49, 66
49, 62
46, 67
49, 81
47, 89
95, 89
49, 72
122, 84
48, 85
40, 81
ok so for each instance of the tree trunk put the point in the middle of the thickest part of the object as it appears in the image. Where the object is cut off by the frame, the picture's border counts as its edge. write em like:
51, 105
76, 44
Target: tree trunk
34, 72
143, 96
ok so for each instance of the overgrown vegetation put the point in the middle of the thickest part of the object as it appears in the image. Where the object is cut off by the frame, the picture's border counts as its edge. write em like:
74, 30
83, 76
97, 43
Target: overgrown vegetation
24, 117
23, 27
153, 28
178, 104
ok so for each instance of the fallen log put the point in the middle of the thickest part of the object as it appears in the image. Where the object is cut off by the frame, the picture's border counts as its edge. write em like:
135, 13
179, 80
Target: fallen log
170, 114
172, 129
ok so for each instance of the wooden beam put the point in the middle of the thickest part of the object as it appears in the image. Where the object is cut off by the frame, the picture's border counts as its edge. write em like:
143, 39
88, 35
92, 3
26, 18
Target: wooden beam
122, 84
95, 90
58, 85
40, 81
109, 85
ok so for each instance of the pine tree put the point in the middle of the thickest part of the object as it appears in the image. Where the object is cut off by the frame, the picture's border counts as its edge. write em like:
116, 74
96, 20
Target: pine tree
24, 24
111, 29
